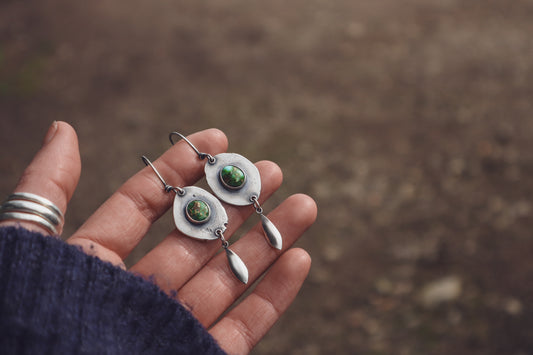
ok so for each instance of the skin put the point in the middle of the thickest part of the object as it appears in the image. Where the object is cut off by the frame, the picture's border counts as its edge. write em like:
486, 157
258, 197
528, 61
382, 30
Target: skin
202, 279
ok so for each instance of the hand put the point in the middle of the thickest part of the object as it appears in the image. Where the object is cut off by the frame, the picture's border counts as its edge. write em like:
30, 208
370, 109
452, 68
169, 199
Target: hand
191, 267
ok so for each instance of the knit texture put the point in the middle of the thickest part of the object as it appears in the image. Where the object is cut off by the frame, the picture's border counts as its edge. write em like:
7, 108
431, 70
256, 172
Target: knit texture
55, 299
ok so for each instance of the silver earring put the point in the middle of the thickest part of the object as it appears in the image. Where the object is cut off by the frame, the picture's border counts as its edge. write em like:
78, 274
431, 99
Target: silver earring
200, 215
235, 180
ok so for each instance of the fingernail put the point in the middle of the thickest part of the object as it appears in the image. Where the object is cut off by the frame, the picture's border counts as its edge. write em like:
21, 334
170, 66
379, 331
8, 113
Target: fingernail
51, 133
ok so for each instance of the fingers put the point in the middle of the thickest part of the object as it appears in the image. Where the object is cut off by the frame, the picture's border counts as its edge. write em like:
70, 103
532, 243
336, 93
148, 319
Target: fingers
177, 258
215, 288
119, 224
54, 171
240, 330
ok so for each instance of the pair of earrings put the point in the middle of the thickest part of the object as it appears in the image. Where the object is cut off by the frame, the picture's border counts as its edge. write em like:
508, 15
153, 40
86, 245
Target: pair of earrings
198, 214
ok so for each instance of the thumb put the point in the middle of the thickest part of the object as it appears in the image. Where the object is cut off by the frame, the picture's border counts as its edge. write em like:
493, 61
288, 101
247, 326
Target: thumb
54, 171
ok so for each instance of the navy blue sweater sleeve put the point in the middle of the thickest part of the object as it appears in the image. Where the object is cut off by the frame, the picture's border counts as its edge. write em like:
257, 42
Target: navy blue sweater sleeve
55, 299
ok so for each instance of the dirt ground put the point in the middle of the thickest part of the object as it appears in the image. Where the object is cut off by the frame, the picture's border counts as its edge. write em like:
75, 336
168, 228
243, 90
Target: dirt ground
408, 121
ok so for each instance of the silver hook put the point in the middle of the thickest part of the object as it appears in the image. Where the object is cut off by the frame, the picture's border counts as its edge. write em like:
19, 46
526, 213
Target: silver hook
167, 187
209, 157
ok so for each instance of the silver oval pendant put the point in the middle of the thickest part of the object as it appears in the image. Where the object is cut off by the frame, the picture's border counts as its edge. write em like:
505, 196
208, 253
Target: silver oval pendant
233, 178
198, 214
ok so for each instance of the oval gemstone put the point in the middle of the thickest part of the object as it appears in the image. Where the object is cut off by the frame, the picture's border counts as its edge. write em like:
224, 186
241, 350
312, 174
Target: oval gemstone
232, 177
197, 211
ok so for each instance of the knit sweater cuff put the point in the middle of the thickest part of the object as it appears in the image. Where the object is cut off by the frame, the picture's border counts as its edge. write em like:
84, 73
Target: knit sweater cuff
56, 299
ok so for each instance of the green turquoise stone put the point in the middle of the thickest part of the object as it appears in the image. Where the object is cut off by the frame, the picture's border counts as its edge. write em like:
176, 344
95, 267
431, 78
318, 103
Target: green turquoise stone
232, 177
198, 211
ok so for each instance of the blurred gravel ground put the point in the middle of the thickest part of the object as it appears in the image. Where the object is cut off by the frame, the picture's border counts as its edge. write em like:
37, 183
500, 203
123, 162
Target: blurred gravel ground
409, 122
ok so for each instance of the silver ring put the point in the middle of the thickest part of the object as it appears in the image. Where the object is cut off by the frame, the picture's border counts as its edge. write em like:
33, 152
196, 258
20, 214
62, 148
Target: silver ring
28, 207
19, 216
37, 199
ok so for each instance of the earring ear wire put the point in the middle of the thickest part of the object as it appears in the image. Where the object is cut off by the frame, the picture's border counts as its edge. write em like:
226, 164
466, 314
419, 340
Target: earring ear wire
200, 154
167, 187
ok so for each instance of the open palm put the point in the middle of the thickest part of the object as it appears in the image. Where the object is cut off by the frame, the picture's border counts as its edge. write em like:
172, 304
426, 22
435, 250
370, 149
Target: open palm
201, 277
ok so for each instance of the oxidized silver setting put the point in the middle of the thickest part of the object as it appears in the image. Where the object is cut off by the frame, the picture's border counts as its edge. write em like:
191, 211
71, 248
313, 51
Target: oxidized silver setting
206, 230
241, 196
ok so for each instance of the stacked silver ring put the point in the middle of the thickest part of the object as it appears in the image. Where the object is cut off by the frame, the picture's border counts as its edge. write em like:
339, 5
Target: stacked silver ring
24, 206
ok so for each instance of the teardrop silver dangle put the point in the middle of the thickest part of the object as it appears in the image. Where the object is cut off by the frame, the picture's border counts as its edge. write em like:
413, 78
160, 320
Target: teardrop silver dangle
271, 232
200, 215
236, 265
236, 180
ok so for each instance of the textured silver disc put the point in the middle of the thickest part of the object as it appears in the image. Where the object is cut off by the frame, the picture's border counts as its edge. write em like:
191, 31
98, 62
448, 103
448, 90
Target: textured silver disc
242, 195
218, 219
